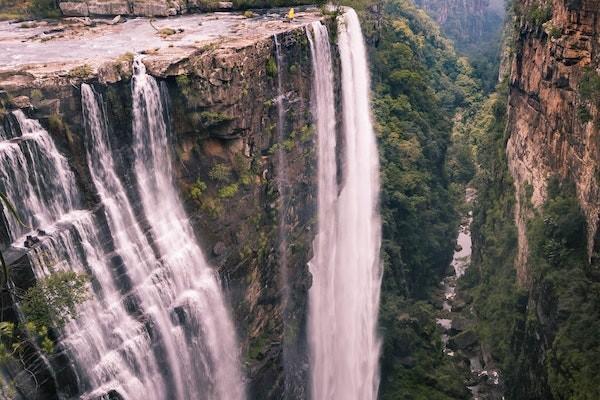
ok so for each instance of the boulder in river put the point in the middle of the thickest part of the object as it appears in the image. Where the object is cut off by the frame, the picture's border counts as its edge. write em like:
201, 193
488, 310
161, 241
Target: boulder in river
463, 340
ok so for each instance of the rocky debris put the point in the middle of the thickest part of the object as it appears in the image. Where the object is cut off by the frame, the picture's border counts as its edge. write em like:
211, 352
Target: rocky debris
57, 29
117, 20
30, 241
21, 102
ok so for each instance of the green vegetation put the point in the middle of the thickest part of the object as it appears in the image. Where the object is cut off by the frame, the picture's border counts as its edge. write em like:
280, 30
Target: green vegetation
413, 364
197, 189
227, 192
498, 301
564, 325
220, 172
53, 301
23, 9
538, 13
476, 35
589, 87
420, 84
210, 119
543, 337
271, 67
81, 72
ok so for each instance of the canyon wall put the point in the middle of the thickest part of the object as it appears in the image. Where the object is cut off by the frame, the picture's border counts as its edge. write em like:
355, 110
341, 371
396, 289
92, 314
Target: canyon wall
553, 125
222, 112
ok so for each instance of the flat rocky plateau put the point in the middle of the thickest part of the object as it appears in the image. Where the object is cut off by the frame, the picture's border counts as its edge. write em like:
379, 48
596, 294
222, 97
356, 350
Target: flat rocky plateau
44, 49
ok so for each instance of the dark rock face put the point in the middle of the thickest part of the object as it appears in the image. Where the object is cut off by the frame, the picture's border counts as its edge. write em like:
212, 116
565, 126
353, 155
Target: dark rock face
222, 116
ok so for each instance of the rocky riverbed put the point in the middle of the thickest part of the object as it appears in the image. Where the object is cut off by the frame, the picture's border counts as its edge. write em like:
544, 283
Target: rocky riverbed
457, 321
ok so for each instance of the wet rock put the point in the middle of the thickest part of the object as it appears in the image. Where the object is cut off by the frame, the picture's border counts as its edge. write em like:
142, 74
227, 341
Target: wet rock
463, 340
47, 107
219, 249
458, 248
30, 241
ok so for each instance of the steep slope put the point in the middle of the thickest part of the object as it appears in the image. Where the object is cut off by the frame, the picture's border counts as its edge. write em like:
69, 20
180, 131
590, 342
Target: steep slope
536, 282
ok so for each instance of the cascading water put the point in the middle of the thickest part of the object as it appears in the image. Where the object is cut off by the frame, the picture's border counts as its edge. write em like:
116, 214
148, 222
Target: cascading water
206, 349
155, 326
35, 176
344, 298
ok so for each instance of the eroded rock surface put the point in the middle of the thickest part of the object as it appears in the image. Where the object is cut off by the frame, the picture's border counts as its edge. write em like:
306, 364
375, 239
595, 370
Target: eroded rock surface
548, 136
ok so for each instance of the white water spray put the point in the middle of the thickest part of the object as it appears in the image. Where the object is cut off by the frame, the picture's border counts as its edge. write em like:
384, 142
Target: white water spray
344, 299
209, 363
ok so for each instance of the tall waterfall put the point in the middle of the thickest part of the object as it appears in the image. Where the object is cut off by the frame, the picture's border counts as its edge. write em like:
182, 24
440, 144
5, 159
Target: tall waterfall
155, 326
204, 351
344, 298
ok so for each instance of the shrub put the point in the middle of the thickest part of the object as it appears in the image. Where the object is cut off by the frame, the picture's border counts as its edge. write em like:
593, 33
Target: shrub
81, 72
210, 119
197, 189
271, 67
220, 172
589, 87
228, 191
54, 299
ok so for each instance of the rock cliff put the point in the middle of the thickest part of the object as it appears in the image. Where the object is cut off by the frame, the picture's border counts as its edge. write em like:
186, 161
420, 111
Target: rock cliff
222, 93
553, 120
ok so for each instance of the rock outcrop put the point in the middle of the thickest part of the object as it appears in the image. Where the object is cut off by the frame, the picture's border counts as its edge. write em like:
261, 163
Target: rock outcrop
554, 129
147, 8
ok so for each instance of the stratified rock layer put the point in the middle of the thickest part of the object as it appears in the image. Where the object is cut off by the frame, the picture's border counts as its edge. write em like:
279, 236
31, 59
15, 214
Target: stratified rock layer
548, 136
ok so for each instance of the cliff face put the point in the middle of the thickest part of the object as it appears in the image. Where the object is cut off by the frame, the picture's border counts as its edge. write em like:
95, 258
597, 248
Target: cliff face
222, 100
554, 127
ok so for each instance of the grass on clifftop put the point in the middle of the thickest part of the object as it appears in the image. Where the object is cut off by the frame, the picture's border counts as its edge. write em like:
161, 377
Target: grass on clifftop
26, 9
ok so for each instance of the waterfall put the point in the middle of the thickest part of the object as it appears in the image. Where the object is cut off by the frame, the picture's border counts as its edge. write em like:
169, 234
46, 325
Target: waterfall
205, 350
155, 326
282, 178
344, 298
35, 176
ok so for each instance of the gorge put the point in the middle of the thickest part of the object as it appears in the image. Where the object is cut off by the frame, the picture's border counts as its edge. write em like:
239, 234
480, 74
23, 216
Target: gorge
215, 200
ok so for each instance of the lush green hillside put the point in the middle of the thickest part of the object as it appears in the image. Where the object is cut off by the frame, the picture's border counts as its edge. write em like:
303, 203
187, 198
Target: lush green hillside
420, 84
